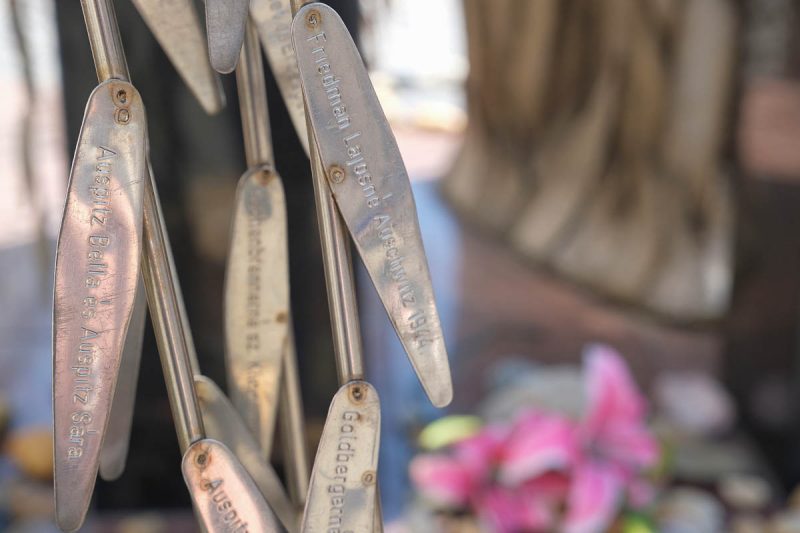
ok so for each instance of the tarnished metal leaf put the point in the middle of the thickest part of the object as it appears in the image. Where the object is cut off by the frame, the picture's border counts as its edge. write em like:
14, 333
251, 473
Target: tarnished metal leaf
257, 301
96, 275
118, 433
224, 424
370, 184
343, 489
273, 19
224, 496
177, 29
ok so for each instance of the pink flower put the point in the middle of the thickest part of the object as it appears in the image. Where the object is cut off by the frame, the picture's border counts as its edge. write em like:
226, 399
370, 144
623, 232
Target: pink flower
539, 443
476, 473
614, 441
547, 470
454, 479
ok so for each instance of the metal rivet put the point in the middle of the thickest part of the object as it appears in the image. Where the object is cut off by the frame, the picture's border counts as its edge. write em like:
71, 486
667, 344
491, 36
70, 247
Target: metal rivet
356, 393
368, 478
313, 18
122, 116
336, 174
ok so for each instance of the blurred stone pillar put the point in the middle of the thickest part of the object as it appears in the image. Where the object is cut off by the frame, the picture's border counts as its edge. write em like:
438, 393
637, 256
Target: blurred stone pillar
595, 144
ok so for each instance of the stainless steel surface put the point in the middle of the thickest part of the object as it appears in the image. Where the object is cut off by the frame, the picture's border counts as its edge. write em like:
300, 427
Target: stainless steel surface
118, 433
252, 89
257, 301
177, 29
96, 273
339, 279
225, 22
170, 336
104, 38
368, 179
223, 494
224, 424
342, 496
273, 19
293, 434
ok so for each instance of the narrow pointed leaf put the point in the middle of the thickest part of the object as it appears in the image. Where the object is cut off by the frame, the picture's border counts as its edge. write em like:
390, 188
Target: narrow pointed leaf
224, 496
177, 29
370, 184
257, 302
342, 495
273, 19
97, 271
224, 424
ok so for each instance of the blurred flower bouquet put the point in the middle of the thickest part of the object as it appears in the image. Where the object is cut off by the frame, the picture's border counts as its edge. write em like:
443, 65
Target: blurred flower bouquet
546, 470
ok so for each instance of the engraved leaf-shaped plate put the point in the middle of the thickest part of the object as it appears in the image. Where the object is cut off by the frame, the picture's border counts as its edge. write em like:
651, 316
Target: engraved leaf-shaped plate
257, 301
370, 184
224, 496
342, 494
224, 424
97, 271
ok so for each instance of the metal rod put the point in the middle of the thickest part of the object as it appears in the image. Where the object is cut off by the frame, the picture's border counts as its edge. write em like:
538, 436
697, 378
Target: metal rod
295, 454
338, 266
104, 38
252, 91
164, 307
338, 276
158, 269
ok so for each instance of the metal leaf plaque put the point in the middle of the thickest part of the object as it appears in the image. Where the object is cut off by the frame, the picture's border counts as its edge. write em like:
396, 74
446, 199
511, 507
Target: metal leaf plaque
97, 271
273, 19
224, 424
176, 27
257, 301
224, 496
344, 479
120, 423
370, 184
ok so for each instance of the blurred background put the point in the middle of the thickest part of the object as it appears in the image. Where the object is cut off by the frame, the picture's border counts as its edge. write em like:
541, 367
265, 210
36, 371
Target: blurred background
623, 172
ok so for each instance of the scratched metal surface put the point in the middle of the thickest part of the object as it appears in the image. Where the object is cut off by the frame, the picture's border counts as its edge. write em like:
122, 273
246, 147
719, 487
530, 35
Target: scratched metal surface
225, 22
343, 487
97, 271
371, 187
257, 318
224, 495
177, 29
